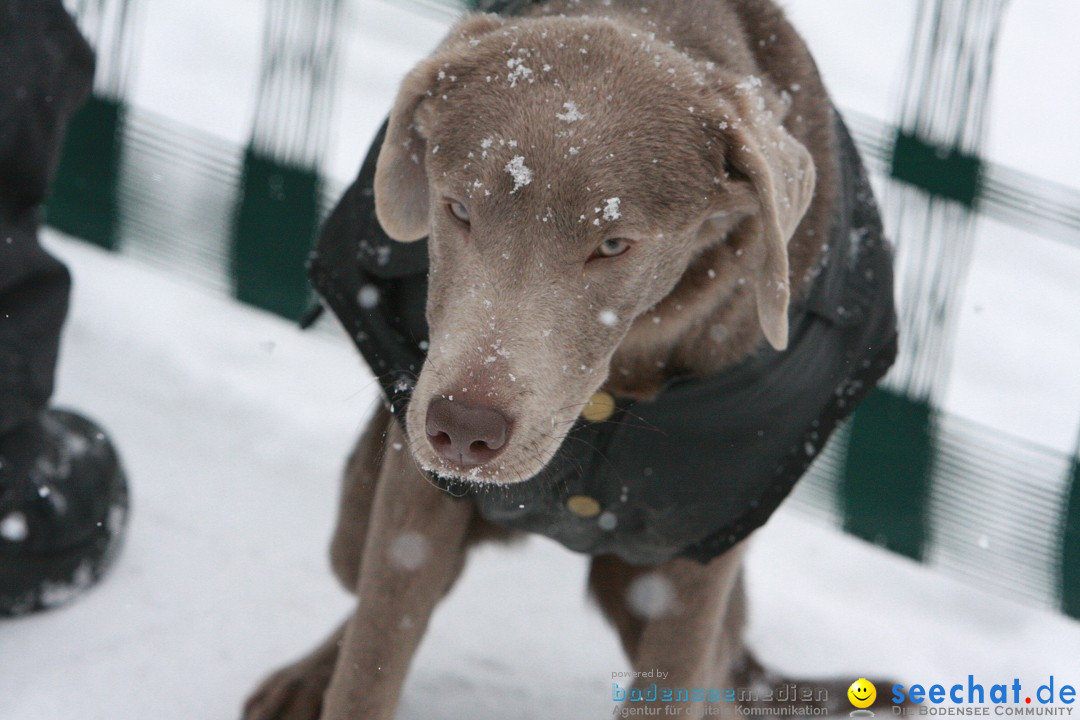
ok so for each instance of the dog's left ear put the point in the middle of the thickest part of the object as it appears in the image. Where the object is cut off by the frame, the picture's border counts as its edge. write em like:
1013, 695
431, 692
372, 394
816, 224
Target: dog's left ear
401, 183
781, 172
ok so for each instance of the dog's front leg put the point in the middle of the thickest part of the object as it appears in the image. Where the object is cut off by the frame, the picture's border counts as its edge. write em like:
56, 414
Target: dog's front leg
680, 623
414, 550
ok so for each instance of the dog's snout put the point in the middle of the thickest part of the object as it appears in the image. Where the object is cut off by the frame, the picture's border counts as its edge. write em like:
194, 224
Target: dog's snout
465, 434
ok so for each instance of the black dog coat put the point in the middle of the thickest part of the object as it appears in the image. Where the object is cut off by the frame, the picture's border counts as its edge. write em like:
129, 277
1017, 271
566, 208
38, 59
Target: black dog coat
708, 461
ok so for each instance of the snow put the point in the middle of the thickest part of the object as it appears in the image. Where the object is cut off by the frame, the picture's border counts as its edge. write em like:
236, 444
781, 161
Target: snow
651, 596
368, 297
57, 594
519, 172
611, 209
518, 71
410, 550
607, 521
234, 426
608, 317
571, 113
749, 83
13, 527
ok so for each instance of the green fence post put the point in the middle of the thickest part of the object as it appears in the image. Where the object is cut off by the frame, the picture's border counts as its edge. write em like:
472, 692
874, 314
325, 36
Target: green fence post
1070, 545
277, 211
84, 201
275, 222
84, 197
936, 170
886, 471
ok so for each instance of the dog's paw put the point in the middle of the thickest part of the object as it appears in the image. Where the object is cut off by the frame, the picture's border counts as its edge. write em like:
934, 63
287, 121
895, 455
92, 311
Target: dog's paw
293, 693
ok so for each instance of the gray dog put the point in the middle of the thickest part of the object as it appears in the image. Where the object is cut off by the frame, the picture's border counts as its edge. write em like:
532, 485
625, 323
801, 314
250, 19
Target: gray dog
653, 283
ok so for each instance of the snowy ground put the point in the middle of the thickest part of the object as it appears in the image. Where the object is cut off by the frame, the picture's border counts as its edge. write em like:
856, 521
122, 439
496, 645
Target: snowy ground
234, 426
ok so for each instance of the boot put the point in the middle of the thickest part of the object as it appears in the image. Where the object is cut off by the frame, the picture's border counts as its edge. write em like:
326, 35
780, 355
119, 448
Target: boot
63, 511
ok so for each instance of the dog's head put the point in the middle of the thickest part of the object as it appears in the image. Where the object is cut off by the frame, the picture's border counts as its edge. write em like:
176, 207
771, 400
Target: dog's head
566, 173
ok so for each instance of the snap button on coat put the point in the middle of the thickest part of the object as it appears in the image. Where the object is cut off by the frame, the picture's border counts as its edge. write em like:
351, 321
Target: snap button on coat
600, 407
583, 506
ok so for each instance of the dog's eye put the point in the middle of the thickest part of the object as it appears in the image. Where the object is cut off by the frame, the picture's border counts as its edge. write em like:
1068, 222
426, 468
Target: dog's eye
459, 211
611, 248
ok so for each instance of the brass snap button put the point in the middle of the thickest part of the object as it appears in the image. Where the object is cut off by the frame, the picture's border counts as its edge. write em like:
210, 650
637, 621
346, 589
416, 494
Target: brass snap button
583, 506
600, 407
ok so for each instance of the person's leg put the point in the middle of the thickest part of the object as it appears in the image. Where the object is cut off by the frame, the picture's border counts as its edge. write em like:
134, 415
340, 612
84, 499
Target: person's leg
46, 69
62, 493
33, 302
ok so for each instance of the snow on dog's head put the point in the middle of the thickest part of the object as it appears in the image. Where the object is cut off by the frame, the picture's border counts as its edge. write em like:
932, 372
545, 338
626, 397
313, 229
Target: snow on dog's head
567, 172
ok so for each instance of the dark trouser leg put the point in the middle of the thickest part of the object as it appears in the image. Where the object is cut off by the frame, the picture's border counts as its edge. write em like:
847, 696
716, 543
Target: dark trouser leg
46, 69
63, 494
33, 303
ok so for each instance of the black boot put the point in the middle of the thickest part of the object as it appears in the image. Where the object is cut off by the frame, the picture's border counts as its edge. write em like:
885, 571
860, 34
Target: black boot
63, 511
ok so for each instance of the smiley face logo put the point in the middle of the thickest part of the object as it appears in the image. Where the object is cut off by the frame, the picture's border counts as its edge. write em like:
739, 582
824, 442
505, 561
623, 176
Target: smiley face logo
862, 693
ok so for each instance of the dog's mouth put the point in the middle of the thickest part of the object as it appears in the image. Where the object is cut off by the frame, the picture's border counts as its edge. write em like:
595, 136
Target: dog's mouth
516, 467
459, 443
492, 473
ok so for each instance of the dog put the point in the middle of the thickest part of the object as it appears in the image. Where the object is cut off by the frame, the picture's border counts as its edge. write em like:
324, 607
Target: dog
653, 282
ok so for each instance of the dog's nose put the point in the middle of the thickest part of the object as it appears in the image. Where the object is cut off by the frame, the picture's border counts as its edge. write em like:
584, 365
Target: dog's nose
465, 434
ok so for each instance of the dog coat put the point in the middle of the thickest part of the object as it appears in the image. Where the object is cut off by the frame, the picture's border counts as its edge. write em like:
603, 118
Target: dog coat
706, 462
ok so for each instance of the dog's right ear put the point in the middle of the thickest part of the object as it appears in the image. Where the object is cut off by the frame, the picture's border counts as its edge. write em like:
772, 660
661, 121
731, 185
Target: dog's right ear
401, 183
